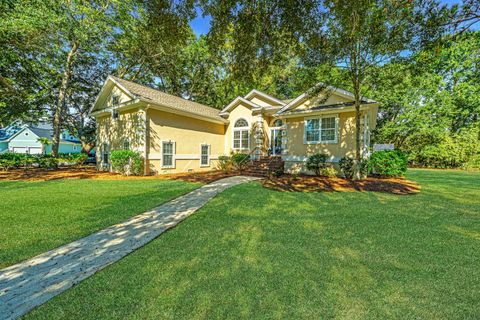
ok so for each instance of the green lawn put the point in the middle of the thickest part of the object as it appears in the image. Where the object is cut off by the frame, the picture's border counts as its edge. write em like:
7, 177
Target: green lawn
254, 253
38, 216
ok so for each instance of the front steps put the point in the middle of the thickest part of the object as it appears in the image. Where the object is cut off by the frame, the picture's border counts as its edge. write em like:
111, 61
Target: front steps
264, 166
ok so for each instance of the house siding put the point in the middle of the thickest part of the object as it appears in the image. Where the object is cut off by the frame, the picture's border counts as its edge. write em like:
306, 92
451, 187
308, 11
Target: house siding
66, 148
145, 126
297, 150
240, 112
188, 134
27, 141
3, 146
130, 126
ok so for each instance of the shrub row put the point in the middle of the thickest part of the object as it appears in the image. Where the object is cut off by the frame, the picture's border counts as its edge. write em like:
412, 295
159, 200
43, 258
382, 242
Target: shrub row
10, 160
237, 161
385, 163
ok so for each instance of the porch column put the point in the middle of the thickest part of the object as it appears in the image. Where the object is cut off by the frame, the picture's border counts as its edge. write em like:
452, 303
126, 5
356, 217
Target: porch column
284, 137
258, 136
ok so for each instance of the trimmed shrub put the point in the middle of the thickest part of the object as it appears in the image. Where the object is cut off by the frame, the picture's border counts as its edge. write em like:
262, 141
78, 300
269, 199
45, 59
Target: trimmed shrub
389, 163
329, 172
12, 160
240, 161
317, 162
47, 162
347, 166
6, 164
72, 158
126, 162
9, 160
224, 163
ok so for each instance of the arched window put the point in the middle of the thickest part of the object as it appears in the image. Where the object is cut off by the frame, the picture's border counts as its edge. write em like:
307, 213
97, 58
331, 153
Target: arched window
241, 135
241, 123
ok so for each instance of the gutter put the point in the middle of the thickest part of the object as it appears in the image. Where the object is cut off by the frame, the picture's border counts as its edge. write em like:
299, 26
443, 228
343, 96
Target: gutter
323, 111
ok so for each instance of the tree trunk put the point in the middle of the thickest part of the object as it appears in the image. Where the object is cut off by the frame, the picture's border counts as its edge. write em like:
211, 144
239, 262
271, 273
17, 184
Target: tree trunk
87, 146
62, 94
358, 141
355, 74
358, 157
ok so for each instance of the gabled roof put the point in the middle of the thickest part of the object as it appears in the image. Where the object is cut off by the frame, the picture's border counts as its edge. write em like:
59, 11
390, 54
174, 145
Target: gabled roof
236, 102
255, 92
341, 92
42, 133
150, 95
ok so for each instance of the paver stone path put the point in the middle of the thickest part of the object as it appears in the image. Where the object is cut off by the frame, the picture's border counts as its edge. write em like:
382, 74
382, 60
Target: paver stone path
28, 284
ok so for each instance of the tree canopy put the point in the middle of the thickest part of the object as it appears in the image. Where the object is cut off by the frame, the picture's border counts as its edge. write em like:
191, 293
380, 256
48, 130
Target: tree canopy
419, 59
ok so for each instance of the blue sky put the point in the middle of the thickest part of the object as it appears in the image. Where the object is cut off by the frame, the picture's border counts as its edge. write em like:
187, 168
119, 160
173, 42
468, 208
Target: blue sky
201, 25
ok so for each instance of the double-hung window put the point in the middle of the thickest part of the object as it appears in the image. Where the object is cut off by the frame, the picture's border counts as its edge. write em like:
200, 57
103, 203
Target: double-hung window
168, 152
321, 130
205, 155
328, 129
241, 135
312, 130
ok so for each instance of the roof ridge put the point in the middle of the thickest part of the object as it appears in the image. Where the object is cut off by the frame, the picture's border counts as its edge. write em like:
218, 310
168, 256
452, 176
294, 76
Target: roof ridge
165, 93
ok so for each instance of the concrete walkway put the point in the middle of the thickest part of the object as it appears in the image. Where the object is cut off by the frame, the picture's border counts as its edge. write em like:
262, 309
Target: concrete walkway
30, 283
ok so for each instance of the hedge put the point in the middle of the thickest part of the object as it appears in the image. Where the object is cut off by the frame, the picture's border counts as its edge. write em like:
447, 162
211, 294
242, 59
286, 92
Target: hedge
127, 162
388, 163
10, 160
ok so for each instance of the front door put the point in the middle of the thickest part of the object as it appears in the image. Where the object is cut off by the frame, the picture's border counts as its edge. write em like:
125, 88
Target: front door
276, 141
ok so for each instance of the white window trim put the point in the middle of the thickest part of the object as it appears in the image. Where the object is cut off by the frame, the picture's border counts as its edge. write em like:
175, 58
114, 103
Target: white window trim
174, 149
282, 127
208, 155
319, 118
247, 128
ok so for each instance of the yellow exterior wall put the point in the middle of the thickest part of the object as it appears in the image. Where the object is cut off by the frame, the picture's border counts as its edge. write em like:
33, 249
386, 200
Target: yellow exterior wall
106, 102
241, 111
188, 134
332, 99
262, 102
129, 126
297, 150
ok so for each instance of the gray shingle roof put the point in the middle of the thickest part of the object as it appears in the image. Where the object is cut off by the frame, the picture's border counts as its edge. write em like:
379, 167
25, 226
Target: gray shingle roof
41, 132
158, 97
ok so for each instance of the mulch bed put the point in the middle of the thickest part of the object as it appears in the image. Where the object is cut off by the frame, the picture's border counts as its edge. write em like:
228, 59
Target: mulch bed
289, 183
284, 183
89, 172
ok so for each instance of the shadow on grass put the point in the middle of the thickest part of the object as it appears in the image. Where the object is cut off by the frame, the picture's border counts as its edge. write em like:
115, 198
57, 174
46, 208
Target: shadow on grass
322, 184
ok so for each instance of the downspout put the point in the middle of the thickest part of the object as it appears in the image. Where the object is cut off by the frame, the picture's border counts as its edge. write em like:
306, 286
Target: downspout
145, 139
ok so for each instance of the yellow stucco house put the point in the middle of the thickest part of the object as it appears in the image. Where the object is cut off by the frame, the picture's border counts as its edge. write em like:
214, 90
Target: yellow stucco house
178, 135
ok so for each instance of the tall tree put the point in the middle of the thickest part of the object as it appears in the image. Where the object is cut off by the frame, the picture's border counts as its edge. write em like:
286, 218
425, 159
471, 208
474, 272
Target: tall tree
24, 43
262, 37
360, 35
85, 28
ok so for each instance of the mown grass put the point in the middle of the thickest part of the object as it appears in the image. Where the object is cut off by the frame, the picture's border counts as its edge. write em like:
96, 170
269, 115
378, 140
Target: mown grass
254, 253
38, 216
